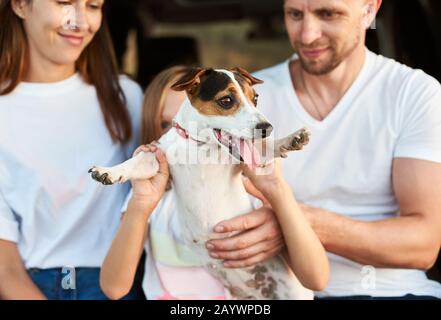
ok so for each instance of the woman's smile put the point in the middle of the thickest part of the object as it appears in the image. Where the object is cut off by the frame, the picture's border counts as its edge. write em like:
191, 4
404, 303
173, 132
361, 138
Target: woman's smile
74, 40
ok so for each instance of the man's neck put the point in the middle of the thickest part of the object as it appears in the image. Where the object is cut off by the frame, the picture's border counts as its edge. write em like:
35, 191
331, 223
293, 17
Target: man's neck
328, 89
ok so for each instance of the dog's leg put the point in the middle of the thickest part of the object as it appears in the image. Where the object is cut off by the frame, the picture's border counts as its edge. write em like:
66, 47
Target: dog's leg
271, 279
293, 142
271, 149
142, 166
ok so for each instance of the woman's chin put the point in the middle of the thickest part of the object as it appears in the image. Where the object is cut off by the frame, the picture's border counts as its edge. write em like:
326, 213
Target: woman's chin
67, 59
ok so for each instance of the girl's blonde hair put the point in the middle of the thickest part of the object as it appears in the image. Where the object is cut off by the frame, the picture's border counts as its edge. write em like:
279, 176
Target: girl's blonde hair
153, 105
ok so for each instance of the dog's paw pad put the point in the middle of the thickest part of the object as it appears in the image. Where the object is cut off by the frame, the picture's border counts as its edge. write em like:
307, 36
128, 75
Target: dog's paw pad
283, 152
304, 136
300, 139
101, 175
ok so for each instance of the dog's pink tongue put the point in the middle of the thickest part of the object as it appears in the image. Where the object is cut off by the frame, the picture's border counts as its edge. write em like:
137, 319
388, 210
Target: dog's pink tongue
249, 153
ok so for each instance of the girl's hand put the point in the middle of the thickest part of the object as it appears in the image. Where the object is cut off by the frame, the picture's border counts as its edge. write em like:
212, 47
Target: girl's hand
148, 192
260, 236
266, 179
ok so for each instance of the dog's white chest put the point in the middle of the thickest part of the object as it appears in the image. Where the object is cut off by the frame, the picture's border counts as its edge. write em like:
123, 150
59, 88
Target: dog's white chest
207, 193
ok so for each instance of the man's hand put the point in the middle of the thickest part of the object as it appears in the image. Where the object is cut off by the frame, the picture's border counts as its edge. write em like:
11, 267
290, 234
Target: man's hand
260, 238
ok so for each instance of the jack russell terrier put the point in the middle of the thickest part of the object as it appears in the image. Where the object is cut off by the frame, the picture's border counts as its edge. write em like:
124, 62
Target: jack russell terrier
217, 127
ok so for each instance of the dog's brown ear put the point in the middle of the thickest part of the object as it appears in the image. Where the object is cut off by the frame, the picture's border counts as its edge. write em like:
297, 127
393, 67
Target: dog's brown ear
247, 76
189, 80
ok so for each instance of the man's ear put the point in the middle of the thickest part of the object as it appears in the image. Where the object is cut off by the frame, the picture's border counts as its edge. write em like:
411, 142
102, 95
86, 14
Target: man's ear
370, 12
252, 80
190, 80
20, 7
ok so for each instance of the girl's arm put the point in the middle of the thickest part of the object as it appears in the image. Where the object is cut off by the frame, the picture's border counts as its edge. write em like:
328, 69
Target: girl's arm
15, 283
120, 264
119, 267
306, 254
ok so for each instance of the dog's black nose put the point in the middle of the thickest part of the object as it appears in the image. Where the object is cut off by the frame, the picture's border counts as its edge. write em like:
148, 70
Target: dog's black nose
265, 128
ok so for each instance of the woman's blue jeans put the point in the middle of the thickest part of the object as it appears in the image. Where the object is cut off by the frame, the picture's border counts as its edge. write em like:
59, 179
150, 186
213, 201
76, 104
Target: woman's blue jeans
76, 284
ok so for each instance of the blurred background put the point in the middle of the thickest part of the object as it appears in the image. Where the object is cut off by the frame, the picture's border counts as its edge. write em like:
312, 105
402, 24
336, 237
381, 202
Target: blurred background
150, 35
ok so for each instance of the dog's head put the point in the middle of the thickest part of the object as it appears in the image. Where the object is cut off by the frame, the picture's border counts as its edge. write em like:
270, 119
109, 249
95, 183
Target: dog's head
222, 105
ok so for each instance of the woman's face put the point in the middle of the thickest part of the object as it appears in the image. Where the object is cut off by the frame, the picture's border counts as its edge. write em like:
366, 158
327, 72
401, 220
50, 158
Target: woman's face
172, 102
59, 30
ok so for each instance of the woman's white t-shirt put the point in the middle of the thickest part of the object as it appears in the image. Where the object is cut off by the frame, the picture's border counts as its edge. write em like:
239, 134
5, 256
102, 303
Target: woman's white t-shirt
50, 135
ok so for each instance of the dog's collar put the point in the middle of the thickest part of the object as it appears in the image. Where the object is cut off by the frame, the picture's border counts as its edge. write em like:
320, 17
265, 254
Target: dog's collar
184, 134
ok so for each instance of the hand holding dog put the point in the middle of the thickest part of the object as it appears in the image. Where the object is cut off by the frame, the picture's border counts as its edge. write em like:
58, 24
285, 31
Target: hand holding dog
267, 180
261, 236
260, 239
149, 192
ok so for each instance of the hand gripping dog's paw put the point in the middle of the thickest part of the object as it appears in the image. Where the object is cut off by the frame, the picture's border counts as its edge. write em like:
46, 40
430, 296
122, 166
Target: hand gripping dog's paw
293, 142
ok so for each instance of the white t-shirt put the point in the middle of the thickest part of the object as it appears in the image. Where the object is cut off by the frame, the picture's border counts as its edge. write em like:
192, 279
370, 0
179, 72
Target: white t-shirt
390, 111
50, 135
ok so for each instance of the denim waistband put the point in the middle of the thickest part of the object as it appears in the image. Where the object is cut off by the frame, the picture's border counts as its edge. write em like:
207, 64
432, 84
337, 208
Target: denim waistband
61, 269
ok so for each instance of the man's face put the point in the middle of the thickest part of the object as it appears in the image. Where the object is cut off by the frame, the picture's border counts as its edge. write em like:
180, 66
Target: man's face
325, 32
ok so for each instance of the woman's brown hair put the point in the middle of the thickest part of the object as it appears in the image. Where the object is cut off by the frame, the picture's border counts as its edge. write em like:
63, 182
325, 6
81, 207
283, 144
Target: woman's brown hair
153, 105
97, 66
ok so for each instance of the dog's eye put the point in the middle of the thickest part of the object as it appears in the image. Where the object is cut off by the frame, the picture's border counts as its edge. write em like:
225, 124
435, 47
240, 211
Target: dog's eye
256, 98
226, 102
165, 125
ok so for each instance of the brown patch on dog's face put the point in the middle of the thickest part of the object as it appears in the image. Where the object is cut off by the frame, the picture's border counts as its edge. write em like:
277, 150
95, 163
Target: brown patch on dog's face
224, 103
247, 89
246, 82
210, 92
214, 93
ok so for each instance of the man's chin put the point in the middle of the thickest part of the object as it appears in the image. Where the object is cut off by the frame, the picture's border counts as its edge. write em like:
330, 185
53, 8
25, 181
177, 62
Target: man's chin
318, 68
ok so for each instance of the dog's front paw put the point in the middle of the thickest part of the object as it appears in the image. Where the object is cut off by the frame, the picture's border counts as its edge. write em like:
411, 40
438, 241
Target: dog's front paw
295, 141
106, 176
300, 139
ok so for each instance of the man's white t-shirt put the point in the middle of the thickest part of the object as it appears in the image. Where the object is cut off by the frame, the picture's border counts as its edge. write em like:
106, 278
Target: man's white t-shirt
390, 111
50, 135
